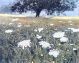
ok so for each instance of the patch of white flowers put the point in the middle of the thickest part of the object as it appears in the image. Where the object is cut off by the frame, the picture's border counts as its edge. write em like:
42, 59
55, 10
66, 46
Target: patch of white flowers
24, 43
8, 31
74, 29
59, 34
40, 29
35, 30
72, 44
74, 48
54, 53
44, 44
38, 36
64, 39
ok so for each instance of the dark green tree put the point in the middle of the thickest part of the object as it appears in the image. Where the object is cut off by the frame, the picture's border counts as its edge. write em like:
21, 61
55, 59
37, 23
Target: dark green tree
38, 5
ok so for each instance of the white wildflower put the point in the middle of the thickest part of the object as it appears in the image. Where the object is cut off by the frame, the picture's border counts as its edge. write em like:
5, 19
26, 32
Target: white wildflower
65, 59
74, 29
74, 48
72, 44
8, 31
44, 44
54, 53
38, 36
70, 28
35, 30
41, 54
24, 43
58, 34
64, 39
68, 50
40, 29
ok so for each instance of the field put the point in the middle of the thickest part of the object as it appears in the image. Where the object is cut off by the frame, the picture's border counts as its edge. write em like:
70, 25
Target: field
39, 40
56, 21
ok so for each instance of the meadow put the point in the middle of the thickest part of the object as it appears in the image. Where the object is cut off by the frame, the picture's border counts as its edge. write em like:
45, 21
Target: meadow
39, 40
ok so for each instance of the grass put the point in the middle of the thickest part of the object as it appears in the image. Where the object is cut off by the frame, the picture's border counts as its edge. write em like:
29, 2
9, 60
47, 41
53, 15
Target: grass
57, 21
11, 53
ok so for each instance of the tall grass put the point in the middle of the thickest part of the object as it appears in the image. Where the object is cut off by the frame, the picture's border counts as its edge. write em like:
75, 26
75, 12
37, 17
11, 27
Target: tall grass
11, 53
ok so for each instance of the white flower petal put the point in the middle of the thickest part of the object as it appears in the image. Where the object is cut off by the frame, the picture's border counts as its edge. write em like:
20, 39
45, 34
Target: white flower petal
24, 43
38, 36
74, 48
54, 53
64, 39
74, 29
8, 31
35, 30
72, 44
40, 29
58, 34
44, 44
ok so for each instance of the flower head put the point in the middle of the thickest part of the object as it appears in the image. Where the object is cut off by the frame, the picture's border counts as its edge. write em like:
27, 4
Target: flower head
24, 43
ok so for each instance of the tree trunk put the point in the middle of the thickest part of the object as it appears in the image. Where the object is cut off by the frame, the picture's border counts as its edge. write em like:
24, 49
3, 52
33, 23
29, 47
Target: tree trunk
38, 12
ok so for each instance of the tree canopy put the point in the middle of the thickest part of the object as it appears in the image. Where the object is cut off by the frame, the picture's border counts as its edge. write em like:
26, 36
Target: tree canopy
50, 6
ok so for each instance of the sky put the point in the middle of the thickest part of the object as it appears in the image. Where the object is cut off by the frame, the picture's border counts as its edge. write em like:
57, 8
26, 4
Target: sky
68, 13
75, 12
6, 2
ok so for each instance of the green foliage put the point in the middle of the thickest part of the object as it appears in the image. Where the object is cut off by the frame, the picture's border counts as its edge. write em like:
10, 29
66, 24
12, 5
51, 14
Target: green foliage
51, 6
11, 53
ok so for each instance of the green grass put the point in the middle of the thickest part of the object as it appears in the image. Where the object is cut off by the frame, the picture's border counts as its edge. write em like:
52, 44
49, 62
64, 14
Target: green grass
13, 54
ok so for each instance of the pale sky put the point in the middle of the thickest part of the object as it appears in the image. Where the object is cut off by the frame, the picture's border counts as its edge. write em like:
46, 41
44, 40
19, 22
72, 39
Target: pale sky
75, 12
6, 2
68, 13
